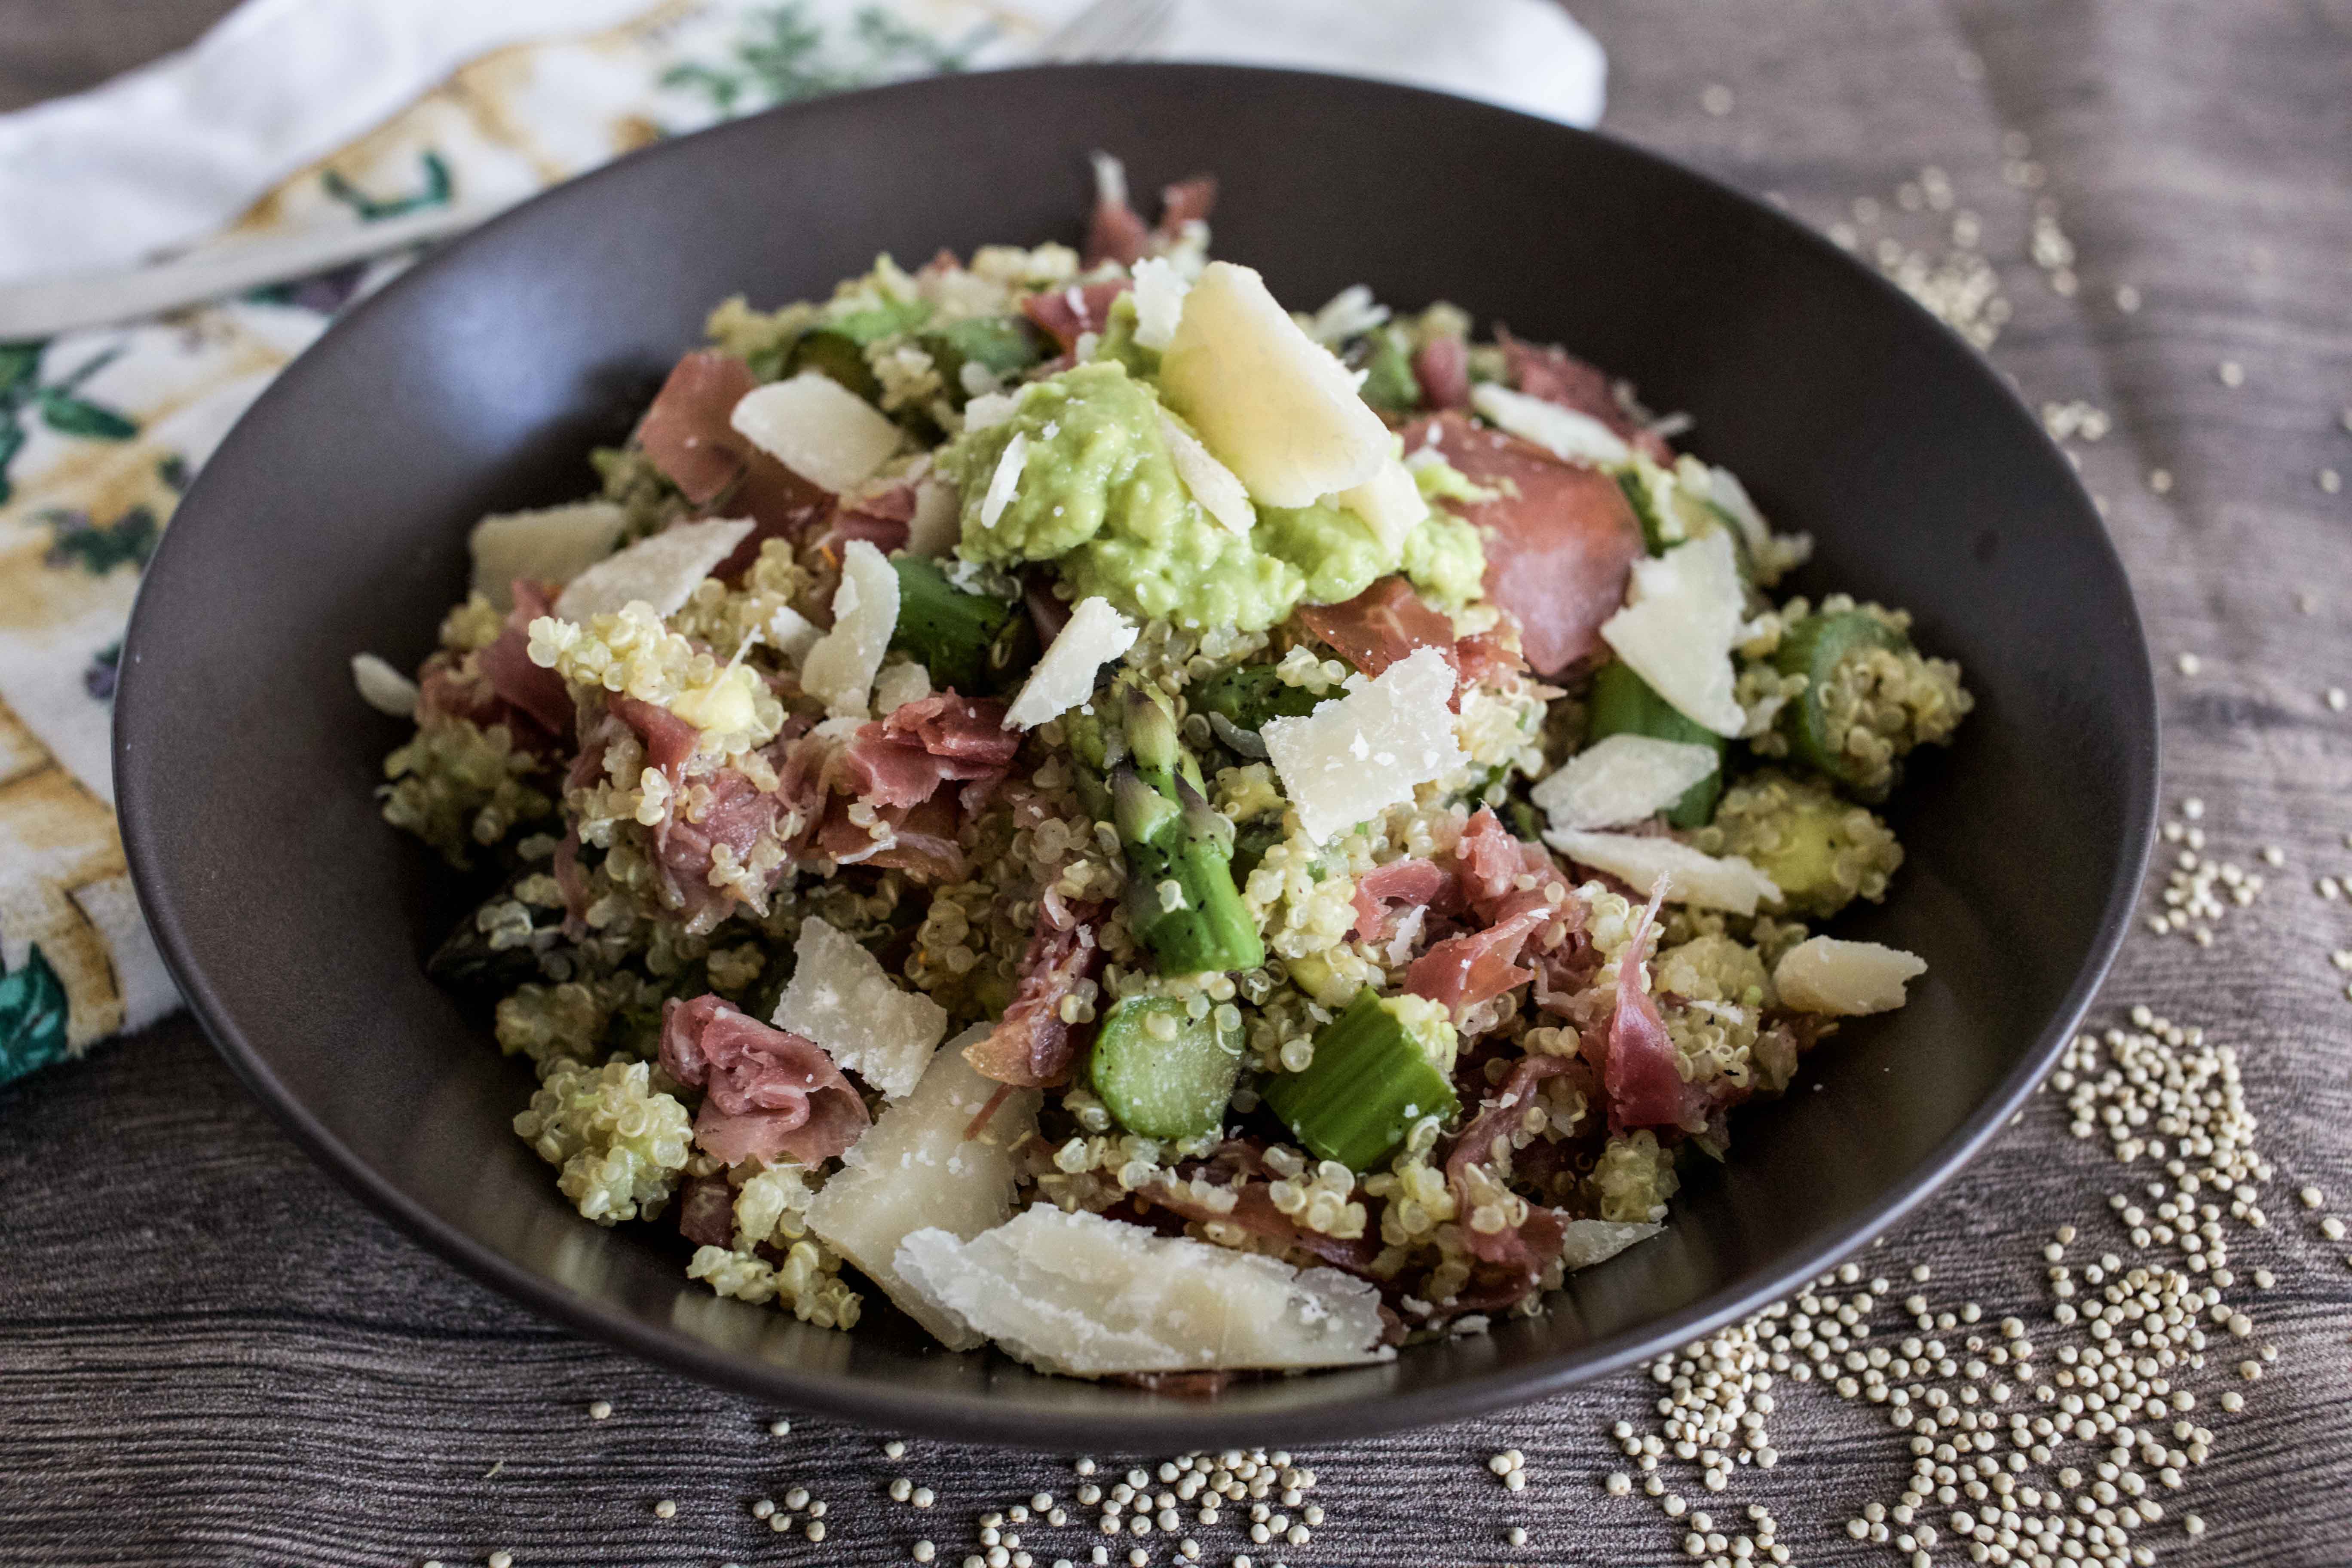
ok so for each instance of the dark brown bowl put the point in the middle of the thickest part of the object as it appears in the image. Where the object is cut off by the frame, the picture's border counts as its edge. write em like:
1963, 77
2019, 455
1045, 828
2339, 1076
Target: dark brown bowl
333, 520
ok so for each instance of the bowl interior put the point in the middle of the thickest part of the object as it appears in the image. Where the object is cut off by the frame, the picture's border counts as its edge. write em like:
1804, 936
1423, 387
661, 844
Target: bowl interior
333, 520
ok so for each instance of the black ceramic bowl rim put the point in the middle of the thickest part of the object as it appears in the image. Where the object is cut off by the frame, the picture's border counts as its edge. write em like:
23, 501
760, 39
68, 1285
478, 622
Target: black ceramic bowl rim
1161, 1424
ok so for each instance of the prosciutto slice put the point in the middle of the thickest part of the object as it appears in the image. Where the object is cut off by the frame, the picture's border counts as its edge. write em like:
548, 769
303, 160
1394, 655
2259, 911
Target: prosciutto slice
669, 740
687, 435
768, 1094
1069, 313
902, 758
1554, 374
532, 691
1409, 883
1389, 621
1032, 1046
1517, 1257
1116, 232
1441, 365
1560, 539
1639, 1072
1464, 971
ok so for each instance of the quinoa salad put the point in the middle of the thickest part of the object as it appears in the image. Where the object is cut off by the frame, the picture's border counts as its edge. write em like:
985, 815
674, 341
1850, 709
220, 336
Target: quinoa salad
1161, 833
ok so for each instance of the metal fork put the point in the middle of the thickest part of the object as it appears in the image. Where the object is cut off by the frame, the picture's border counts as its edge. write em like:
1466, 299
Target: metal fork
1106, 30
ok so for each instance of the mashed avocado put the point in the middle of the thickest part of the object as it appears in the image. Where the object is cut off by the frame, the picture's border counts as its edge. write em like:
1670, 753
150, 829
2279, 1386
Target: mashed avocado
1099, 496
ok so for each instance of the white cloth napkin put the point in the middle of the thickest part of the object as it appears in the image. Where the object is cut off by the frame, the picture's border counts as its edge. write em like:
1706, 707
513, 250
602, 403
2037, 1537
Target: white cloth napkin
171, 153
295, 114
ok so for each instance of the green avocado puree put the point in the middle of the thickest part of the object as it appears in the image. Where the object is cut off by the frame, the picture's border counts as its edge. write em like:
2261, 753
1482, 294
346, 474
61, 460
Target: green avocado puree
1099, 496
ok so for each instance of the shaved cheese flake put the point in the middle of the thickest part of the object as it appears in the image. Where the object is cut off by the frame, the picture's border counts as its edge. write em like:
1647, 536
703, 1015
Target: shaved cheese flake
1273, 404
1823, 974
917, 1170
792, 634
1159, 291
1390, 502
1682, 615
900, 684
1703, 881
382, 688
1353, 758
1725, 490
989, 408
1563, 432
1092, 1296
840, 667
1006, 480
1624, 778
553, 545
1064, 677
1213, 484
818, 428
659, 570
1589, 1241
1351, 313
842, 997
938, 521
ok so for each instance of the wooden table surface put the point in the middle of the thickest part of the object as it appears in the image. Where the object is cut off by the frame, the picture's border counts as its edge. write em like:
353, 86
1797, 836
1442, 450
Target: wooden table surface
209, 1354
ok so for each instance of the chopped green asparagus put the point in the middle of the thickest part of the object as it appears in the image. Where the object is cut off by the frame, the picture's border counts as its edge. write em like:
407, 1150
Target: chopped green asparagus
1003, 346
1247, 696
1624, 704
1385, 356
971, 643
1161, 1072
1180, 898
1379, 1067
838, 347
1814, 647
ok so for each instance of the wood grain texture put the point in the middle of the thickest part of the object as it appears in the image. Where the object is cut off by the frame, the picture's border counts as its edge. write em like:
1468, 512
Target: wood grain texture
209, 1355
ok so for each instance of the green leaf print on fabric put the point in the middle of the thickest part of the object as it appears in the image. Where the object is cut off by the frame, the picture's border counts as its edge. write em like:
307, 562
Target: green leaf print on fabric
99, 548
32, 1017
438, 184
783, 58
58, 404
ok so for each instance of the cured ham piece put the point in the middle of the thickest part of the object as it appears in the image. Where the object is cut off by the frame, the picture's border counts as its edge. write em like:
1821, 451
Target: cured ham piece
1032, 1046
1560, 538
1068, 313
767, 1094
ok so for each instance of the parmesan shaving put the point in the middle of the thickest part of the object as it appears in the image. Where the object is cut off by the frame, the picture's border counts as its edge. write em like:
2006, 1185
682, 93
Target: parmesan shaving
1622, 779
1563, 432
659, 570
382, 688
1390, 502
1823, 974
1003, 483
1682, 615
1353, 758
553, 545
840, 667
1081, 1294
1213, 484
1159, 291
842, 997
818, 428
1271, 402
917, 1170
1703, 881
1064, 677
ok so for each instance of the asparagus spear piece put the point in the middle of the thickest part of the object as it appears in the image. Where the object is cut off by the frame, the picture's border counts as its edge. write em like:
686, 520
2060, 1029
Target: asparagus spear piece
1161, 1072
1181, 898
971, 643
838, 347
1247, 696
1375, 1073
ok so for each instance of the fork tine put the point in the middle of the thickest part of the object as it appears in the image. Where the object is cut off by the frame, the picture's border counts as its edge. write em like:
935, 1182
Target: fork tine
1106, 30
